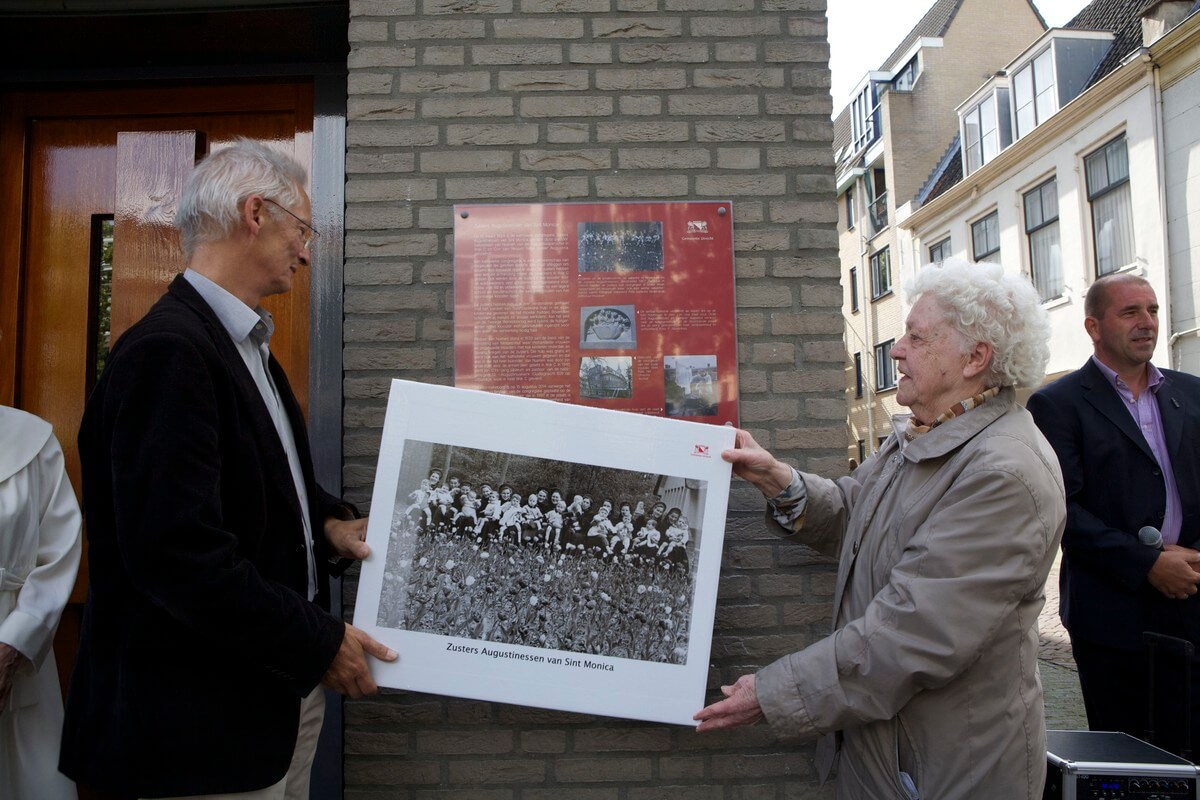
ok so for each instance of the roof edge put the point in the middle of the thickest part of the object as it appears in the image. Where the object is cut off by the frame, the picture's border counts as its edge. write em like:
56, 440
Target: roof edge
952, 151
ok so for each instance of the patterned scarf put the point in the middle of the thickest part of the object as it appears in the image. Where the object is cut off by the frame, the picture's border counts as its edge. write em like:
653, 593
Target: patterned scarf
913, 430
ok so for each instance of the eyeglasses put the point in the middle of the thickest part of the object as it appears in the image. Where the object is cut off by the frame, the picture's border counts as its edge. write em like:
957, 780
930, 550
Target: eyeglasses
308, 235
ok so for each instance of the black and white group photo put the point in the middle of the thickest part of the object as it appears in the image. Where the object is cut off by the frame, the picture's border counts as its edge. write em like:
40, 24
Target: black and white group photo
620, 246
513, 549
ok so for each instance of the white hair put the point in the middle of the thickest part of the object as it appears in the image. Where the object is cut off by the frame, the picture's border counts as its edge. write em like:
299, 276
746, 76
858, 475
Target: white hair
985, 304
210, 207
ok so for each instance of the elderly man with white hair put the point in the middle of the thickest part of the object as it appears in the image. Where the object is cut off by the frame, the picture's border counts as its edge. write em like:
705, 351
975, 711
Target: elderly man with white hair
207, 636
928, 685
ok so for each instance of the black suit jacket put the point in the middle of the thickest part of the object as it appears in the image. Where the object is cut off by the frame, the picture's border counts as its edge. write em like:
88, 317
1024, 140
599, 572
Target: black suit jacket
198, 639
1114, 488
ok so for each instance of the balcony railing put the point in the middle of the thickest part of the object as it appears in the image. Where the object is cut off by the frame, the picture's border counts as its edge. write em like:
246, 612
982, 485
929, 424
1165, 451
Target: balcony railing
877, 210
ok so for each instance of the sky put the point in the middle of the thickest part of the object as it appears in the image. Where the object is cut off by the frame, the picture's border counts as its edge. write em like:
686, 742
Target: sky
856, 49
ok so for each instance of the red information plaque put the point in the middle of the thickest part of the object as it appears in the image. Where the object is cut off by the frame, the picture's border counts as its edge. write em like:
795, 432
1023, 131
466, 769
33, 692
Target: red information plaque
627, 306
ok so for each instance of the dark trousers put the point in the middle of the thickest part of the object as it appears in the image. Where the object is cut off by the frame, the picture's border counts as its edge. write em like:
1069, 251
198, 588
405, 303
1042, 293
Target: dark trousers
1116, 695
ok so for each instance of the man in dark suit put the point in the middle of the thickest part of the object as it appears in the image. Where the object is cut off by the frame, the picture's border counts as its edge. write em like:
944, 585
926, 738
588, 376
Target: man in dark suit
1127, 435
206, 636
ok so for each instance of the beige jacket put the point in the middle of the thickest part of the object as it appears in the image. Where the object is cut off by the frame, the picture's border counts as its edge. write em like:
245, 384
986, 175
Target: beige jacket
932, 666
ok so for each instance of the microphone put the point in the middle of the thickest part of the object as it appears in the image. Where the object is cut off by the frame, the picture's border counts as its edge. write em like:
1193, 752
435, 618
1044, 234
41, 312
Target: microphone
1151, 537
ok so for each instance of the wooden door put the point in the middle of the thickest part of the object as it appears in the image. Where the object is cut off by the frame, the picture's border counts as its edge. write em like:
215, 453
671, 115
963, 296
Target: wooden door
90, 185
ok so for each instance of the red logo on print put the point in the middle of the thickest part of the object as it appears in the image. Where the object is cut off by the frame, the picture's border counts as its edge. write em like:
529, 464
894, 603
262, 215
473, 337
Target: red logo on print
701, 450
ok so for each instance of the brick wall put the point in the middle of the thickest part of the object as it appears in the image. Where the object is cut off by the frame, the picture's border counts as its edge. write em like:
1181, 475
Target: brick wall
455, 101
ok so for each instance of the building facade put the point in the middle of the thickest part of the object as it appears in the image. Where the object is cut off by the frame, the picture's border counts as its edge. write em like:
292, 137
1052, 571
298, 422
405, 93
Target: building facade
1178, 57
887, 141
1080, 177
402, 109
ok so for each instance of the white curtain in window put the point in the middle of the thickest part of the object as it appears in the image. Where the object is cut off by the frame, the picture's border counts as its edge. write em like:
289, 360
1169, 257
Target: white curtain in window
1112, 221
974, 144
985, 236
1046, 255
1023, 98
1043, 79
885, 368
989, 138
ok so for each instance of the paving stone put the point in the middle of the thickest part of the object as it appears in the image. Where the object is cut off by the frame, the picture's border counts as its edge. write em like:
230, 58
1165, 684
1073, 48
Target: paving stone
1060, 678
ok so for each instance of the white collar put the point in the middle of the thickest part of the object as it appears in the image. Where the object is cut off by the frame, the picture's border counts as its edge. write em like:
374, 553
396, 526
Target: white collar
22, 437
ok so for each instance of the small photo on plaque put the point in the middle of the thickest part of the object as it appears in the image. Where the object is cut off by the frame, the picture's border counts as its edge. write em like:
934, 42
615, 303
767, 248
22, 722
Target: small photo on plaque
620, 246
607, 327
690, 386
606, 377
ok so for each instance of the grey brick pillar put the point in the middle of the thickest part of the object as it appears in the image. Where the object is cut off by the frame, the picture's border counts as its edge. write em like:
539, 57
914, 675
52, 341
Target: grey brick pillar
455, 101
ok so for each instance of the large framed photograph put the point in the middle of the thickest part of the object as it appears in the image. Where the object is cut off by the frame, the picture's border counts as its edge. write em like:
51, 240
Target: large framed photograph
544, 554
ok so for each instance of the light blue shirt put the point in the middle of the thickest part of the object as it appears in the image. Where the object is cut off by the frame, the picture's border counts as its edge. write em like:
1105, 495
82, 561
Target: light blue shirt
1148, 418
251, 329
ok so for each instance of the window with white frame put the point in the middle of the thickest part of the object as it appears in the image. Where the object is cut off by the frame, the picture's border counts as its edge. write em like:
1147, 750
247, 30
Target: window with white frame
985, 236
851, 211
858, 375
1034, 95
877, 200
939, 251
907, 76
885, 368
1107, 172
981, 135
864, 117
881, 274
1041, 228
854, 288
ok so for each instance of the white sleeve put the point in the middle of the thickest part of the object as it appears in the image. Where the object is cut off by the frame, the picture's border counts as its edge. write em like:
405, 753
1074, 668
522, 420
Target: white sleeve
40, 601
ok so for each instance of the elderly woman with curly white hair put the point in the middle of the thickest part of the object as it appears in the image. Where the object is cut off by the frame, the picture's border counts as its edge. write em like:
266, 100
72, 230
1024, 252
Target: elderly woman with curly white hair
928, 686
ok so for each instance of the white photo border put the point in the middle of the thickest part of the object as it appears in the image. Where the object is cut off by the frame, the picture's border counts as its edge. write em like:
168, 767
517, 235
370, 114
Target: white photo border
509, 673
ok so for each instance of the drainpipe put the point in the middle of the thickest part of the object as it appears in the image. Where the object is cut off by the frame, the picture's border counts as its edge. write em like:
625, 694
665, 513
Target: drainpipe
864, 277
1161, 164
1176, 361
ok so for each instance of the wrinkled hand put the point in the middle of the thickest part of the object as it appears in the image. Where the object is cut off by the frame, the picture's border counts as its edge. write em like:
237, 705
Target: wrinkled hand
754, 464
740, 706
347, 537
1174, 573
11, 660
349, 674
